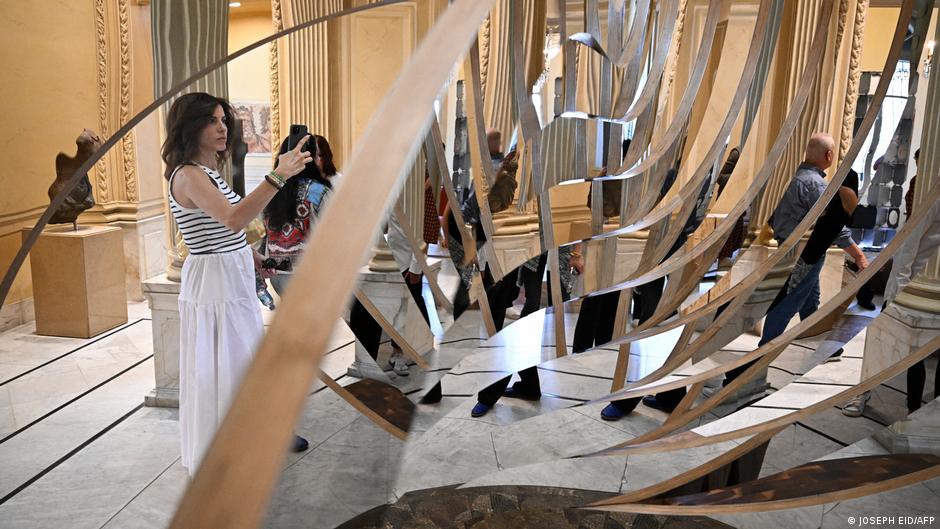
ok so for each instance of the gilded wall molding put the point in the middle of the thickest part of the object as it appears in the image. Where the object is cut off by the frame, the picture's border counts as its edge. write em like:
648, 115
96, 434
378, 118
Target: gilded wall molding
672, 61
484, 52
101, 62
855, 73
116, 174
12, 222
275, 72
127, 142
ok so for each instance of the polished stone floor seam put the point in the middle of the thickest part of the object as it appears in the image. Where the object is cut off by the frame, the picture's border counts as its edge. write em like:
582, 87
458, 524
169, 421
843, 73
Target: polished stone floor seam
312, 449
73, 400
623, 477
73, 351
499, 465
822, 434
70, 454
141, 491
26, 455
573, 373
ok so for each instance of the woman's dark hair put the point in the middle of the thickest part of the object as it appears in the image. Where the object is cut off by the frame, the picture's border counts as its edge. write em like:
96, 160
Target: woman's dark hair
188, 116
326, 154
280, 210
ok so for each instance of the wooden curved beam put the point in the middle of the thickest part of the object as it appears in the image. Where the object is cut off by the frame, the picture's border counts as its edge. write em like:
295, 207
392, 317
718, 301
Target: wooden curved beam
691, 439
679, 357
815, 483
704, 469
232, 486
531, 135
629, 168
764, 355
435, 145
384, 405
390, 329
657, 68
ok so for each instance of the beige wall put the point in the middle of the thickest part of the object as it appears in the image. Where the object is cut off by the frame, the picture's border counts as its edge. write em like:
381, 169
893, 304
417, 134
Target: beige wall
879, 28
249, 75
48, 56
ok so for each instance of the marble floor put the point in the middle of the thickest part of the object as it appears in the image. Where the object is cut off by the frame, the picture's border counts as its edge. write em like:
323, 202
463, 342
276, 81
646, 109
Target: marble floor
79, 450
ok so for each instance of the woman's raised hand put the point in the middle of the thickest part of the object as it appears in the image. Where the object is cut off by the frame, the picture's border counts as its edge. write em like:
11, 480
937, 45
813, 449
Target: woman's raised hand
293, 161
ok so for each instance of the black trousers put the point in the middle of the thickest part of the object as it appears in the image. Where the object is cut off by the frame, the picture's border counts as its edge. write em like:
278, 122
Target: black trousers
368, 331
736, 372
532, 284
916, 378
529, 384
646, 298
595, 325
500, 295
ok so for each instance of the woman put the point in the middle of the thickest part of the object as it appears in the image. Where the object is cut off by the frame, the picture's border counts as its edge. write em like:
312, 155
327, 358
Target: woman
290, 215
220, 320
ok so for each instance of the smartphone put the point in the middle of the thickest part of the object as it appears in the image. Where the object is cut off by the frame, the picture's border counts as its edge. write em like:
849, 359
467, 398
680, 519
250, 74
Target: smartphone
297, 132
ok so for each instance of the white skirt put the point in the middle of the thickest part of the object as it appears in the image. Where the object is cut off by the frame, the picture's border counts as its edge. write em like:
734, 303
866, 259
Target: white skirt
220, 326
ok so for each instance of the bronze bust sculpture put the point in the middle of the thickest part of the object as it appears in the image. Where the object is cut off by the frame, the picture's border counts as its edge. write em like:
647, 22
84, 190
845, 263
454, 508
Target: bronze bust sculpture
81, 197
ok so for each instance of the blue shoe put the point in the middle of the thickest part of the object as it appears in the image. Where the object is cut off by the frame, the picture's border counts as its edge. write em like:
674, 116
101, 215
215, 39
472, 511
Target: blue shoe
611, 413
300, 444
480, 410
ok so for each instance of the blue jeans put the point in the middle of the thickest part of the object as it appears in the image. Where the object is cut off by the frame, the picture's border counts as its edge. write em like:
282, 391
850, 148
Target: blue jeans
802, 297
799, 295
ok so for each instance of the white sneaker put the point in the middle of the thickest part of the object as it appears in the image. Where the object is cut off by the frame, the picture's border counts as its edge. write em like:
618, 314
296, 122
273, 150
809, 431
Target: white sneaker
856, 406
399, 365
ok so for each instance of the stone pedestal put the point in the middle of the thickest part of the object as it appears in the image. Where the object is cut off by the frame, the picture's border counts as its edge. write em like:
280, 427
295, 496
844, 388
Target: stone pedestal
382, 258
78, 280
144, 252
919, 433
516, 239
387, 290
163, 297
898, 332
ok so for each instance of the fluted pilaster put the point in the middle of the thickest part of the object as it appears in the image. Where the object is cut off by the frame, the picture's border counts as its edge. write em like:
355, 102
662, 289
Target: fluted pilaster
187, 37
923, 293
799, 20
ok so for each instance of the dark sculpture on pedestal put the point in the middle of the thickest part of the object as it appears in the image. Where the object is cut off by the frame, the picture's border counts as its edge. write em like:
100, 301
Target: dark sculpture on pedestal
81, 197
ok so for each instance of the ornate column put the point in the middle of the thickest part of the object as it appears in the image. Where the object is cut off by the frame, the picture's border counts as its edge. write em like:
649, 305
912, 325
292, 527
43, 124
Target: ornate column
914, 318
923, 293
187, 36
853, 74
799, 21
495, 51
304, 80
177, 28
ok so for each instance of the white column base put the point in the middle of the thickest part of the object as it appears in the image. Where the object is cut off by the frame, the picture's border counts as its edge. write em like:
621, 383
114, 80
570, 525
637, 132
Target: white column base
163, 297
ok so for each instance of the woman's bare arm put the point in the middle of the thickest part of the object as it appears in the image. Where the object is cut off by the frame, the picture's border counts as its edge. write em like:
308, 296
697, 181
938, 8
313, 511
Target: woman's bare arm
192, 188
